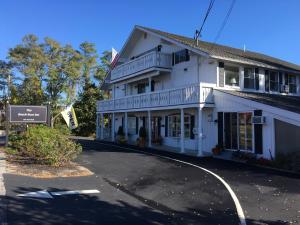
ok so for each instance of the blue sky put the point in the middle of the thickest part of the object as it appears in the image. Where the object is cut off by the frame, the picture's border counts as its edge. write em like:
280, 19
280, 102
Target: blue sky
267, 26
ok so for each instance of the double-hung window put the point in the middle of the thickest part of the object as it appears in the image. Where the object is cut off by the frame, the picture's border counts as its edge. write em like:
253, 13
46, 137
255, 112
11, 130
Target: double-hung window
274, 81
292, 82
231, 76
174, 122
181, 56
249, 78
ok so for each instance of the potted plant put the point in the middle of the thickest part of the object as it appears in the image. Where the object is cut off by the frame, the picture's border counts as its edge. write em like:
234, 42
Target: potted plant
121, 136
158, 140
217, 150
141, 141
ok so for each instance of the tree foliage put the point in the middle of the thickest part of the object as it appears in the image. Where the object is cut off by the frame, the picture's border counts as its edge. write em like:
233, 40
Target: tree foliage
85, 108
46, 72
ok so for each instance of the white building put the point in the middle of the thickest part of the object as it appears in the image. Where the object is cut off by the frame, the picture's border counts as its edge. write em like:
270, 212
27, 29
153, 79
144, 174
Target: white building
195, 95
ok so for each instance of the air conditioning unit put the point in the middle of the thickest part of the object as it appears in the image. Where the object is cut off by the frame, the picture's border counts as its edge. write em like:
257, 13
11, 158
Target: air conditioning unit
284, 88
258, 119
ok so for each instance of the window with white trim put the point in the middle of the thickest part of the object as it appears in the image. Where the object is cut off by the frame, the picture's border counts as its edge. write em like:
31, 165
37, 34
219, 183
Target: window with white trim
249, 78
174, 129
232, 76
274, 81
131, 125
245, 131
292, 82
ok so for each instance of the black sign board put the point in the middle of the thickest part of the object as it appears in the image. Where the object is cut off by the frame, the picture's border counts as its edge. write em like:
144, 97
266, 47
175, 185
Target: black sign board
27, 114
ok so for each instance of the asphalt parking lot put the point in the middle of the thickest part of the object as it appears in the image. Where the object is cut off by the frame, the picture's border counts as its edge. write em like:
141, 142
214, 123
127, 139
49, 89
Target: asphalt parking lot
138, 188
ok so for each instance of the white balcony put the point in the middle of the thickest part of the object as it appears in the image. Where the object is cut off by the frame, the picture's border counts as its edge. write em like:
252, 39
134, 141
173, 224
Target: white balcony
192, 94
150, 61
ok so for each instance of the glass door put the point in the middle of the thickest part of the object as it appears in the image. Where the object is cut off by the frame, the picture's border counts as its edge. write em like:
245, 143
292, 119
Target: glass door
245, 131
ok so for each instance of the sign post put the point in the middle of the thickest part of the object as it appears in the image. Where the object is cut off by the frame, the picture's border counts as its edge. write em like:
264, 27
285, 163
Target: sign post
6, 123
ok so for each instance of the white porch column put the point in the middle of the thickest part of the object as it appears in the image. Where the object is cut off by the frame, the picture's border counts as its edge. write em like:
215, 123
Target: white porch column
149, 81
181, 130
149, 128
200, 128
126, 125
102, 126
113, 127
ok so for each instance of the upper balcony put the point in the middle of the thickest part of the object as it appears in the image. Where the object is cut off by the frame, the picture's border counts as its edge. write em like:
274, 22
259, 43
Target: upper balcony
146, 63
193, 94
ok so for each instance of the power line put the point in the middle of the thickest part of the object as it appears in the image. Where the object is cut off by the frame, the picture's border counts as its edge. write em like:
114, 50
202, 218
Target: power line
224, 21
198, 33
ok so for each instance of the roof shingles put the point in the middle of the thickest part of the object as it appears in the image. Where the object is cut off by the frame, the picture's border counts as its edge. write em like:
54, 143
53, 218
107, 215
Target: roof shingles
216, 50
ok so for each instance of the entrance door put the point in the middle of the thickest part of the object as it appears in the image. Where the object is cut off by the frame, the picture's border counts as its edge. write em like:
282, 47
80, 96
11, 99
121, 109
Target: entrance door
155, 127
230, 130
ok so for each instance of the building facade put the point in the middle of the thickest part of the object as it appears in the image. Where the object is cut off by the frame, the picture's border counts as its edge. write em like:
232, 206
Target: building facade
192, 95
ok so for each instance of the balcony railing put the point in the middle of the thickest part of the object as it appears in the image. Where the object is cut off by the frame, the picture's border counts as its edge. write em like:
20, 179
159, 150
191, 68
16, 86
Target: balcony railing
185, 95
147, 61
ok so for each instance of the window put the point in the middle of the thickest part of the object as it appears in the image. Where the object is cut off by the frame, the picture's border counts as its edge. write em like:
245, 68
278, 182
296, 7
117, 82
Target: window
274, 81
245, 131
249, 78
132, 125
232, 76
238, 130
292, 82
175, 126
181, 56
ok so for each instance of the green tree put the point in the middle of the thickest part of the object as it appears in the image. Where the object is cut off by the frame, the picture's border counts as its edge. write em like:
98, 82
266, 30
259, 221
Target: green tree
89, 61
29, 59
103, 67
85, 108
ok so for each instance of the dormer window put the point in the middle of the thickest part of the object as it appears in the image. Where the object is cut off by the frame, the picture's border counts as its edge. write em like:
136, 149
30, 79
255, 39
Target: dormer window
274, 81
180, 56
292, 82
232, 76
249, 78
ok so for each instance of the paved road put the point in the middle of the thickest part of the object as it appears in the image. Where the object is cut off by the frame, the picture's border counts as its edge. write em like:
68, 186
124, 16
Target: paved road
137, 188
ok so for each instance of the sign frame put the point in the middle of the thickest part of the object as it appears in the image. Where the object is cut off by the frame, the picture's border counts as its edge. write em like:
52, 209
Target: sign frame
44, 120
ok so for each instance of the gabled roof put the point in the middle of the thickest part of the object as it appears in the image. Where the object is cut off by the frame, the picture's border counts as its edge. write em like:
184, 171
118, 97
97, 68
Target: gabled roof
227, 53
286, 102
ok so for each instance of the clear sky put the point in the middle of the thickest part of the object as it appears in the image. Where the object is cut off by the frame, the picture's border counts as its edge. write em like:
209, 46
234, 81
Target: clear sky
266, 26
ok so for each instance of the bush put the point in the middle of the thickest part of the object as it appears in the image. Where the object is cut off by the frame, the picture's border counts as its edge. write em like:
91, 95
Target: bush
43, 145
63, 128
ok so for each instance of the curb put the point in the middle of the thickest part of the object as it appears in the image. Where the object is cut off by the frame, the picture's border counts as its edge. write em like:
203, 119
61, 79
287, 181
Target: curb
3, 201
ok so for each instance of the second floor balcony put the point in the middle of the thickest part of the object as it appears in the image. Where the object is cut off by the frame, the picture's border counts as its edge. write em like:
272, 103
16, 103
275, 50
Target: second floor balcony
148, 62
193, 94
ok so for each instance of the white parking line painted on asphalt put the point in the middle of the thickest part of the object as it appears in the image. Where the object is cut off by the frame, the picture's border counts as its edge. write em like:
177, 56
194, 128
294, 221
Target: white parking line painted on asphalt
36, 194
47, 194
76, 192
231, 192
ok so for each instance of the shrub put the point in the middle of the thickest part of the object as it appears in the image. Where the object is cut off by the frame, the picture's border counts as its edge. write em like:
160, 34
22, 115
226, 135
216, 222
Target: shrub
43, 145
63, 128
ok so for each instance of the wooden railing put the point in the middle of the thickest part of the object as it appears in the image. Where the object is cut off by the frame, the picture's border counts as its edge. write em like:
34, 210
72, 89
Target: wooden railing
185, 95
149, 60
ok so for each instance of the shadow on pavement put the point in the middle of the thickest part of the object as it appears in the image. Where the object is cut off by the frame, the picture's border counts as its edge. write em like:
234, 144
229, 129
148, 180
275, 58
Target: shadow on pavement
88, 209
